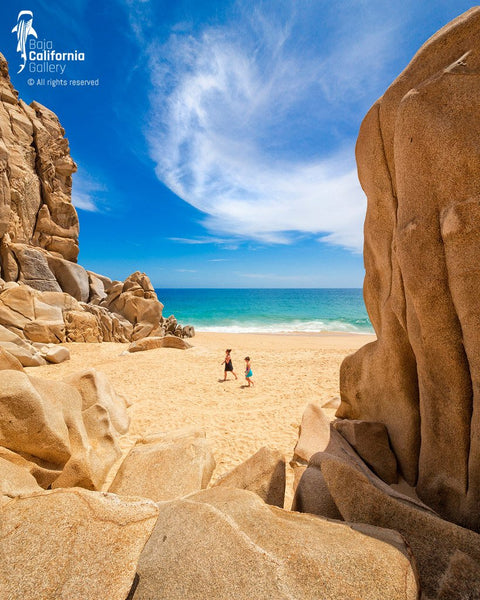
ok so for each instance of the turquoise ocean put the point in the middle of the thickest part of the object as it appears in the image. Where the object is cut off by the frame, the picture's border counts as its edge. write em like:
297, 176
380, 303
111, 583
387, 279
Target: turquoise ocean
268, 310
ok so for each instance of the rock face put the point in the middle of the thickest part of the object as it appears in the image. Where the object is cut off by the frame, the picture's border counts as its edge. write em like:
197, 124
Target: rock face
35, 189
421, 378
224, 543
80, 545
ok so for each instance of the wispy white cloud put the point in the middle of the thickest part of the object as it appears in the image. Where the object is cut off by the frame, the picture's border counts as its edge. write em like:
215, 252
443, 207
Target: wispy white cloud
186, 270
247, 123
86, 192
199, 241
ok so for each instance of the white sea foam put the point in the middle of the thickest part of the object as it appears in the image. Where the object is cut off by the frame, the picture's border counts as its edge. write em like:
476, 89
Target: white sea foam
285, 327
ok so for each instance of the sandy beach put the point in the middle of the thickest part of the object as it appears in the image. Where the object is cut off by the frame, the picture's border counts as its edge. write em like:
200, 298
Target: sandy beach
171, 389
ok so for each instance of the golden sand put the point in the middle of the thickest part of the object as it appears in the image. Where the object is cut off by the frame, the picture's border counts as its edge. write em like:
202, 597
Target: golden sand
170, 389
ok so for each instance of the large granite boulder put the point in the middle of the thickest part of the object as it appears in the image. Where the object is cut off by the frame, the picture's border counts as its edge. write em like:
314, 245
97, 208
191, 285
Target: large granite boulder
418, 165
48, 423
433, 541
72, 278
226, 543
72, 545
166, 466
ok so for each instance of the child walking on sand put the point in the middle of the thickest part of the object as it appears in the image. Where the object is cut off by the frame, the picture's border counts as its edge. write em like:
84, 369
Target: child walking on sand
248, 371
228, 364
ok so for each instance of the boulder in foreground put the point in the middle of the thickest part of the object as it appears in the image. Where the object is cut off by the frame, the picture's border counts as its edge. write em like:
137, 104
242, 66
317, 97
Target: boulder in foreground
166, 467
72, 545
228, 544
45, 422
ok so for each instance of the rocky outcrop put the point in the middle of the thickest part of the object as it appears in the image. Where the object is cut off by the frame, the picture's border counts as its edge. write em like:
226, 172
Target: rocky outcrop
62, 436
35, 185
39, 243
224, 543
418, 167
136, 300
72, 544
166, 466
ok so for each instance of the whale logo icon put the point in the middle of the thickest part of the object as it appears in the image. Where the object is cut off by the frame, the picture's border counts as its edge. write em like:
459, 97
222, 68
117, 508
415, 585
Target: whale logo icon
24, 28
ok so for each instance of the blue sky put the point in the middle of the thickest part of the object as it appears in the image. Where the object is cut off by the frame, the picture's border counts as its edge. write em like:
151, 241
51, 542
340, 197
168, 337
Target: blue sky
217, 149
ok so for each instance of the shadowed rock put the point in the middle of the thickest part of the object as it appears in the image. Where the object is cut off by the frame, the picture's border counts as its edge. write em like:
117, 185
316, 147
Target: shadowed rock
370, 442
461, 580
262, 473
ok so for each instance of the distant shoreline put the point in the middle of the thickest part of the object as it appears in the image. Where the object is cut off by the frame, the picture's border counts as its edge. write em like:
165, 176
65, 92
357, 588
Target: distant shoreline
289, 333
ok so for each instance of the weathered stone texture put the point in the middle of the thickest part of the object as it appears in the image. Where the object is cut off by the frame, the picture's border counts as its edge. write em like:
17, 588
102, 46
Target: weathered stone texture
224, 543
419, 166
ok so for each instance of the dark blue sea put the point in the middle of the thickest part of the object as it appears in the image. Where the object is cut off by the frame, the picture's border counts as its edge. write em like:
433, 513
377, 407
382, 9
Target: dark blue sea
268, 310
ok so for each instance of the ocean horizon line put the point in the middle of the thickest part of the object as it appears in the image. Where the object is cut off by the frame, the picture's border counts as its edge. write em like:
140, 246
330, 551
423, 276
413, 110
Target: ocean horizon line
268, 310
157, 288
